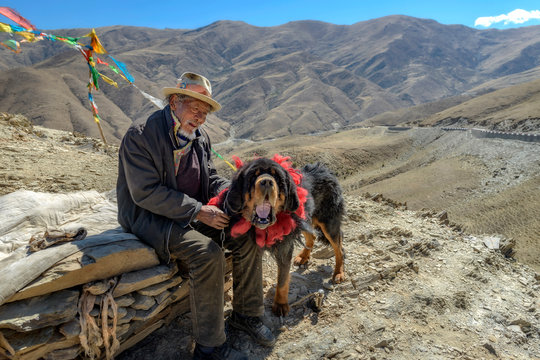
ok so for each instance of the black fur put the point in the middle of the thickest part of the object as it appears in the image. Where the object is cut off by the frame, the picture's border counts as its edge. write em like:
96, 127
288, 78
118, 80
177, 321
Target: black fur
328, 203
324, 203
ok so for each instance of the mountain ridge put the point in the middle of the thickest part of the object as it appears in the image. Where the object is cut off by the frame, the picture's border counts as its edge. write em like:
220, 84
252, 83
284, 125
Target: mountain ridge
295, 78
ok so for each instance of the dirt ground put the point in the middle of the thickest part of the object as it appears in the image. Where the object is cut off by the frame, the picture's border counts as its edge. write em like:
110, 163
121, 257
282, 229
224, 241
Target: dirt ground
41, 159
416, 288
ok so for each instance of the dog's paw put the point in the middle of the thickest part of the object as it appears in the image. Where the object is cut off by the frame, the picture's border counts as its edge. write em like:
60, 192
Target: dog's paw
280, 309
301, 261
338, 278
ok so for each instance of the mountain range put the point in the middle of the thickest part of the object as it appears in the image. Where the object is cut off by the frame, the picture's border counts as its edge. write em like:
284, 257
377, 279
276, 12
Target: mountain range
298, 78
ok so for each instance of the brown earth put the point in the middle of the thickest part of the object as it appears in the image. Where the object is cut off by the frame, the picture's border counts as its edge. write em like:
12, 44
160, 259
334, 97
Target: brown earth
40, 159
416, 288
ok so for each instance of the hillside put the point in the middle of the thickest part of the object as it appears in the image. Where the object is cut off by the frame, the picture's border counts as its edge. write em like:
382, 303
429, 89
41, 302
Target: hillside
297, 78
485, 185
515, 108
418, 287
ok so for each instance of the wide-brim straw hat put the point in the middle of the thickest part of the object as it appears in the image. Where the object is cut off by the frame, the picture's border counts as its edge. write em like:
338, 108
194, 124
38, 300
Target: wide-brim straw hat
195, 86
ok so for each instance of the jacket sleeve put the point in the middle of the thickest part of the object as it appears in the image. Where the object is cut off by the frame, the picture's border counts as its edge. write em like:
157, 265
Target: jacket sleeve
143, 180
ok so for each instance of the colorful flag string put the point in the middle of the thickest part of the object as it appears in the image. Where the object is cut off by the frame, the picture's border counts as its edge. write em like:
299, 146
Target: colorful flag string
221, 157
28, 32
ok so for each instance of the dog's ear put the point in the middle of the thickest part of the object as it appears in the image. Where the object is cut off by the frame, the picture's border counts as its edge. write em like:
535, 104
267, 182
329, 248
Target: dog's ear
234, 200
292, 202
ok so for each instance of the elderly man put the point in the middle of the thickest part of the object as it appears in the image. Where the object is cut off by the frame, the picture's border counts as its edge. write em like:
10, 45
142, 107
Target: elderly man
165, 178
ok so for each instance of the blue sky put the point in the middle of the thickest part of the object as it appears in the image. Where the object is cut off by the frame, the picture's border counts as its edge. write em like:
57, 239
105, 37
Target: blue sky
181, 14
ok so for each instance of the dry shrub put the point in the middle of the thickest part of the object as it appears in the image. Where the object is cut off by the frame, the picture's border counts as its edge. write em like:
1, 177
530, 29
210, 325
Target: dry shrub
18, 121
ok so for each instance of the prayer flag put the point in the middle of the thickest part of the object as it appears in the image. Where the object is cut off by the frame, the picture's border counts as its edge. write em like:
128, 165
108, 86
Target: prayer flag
108, 80
12, 45
30, 37
123, 68
16, 17
5, 28
95, 43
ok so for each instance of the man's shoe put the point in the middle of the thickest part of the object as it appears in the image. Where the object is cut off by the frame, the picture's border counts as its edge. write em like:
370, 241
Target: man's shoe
225, 352
254, 326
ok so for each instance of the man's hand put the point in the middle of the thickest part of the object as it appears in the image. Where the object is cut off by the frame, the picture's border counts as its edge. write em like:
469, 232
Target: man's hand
213, 216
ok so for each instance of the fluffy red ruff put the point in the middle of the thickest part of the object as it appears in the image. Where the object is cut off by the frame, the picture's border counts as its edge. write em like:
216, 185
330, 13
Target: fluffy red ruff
285, 224
218, 200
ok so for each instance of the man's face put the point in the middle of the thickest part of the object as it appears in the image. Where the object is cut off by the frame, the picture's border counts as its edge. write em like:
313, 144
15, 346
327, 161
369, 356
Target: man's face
191, 113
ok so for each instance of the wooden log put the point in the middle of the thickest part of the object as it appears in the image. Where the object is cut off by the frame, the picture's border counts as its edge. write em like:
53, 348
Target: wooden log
49, 347
148, 314
64, 354
5, 346
24, 269
136, 280
157, 289
40, 312
126, 319
94, 263
23, 342
143, 302
133, 340
36, 344
125, 300
180, 292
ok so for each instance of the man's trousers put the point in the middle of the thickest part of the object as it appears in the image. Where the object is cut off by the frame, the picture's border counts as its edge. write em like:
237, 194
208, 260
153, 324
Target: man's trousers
199, 248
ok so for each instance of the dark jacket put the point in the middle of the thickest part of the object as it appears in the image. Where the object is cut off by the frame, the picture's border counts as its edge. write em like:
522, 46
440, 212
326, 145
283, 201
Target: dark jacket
148, 202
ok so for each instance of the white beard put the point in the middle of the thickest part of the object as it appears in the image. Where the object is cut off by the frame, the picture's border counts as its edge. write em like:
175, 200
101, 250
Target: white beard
188, 135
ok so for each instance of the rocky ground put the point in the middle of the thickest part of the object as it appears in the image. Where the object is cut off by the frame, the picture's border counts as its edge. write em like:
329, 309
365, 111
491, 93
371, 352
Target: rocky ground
40, 159
416, 287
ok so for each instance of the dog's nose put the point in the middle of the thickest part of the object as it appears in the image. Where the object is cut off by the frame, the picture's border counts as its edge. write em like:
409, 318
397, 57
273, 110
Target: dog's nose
266, 183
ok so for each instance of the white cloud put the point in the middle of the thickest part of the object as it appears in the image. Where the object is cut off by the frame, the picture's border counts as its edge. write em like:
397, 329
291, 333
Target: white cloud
517, 16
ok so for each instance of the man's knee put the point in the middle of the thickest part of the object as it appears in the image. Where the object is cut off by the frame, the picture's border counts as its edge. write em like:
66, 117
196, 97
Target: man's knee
193, 247
245, 247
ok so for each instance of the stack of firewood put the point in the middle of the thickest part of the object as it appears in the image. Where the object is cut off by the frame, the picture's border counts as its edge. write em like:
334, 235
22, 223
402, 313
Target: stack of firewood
106, 295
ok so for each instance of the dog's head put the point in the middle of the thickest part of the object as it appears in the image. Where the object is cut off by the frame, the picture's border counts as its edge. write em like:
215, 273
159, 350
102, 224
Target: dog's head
259, 191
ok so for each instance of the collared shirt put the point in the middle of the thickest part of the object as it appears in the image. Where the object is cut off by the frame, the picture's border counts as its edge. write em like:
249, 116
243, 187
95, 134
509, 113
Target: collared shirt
186, 164
182, 141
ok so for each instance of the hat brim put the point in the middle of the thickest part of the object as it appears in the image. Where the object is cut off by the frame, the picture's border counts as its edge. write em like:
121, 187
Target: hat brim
215, 106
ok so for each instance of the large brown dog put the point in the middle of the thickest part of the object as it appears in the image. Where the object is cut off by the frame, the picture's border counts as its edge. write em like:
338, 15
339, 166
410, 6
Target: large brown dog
272, 203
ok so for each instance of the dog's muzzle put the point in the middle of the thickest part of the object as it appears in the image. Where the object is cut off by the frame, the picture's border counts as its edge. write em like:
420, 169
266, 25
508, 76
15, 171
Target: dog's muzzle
264, 214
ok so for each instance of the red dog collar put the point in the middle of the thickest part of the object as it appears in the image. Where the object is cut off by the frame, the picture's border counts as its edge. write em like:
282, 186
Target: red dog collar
285, 224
